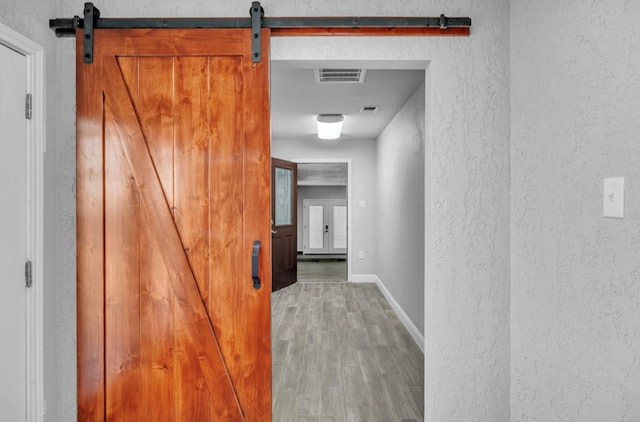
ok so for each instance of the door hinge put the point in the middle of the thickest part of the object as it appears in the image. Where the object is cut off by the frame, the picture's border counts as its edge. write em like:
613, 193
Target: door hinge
28, 274
28, 106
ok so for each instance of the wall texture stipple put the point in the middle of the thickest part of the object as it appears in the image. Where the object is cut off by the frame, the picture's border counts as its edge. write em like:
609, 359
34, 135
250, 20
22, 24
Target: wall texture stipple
575, 281
532, 298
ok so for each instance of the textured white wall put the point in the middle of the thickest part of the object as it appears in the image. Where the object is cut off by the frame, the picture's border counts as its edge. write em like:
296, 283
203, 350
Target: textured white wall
467, 286
575, 295
363, 161
401, 207
30, 18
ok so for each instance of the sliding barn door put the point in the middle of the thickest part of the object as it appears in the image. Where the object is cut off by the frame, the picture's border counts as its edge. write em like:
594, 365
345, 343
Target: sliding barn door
173, 176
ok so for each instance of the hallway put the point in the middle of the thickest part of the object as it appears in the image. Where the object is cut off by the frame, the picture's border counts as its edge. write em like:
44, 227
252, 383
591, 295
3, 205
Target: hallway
341, 354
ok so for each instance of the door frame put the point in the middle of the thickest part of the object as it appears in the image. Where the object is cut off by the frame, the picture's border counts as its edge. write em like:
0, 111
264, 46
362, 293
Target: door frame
349, 211
330, 49
35, 149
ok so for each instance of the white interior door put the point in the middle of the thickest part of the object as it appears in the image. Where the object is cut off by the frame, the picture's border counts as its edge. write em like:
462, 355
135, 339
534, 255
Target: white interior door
13, 366
324, 226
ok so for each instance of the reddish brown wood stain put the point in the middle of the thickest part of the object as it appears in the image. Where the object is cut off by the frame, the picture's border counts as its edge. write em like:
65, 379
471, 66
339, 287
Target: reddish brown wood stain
372, 31
174, 187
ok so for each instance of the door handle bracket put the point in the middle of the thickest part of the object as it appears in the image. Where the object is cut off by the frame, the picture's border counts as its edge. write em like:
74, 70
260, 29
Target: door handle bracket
255, 264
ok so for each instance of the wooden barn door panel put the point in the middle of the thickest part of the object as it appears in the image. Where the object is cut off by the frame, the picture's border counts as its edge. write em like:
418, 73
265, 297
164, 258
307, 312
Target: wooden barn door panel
170, 325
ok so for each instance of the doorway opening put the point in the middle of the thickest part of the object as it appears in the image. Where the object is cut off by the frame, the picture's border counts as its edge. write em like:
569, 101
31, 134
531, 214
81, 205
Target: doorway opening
361, 151
323, 216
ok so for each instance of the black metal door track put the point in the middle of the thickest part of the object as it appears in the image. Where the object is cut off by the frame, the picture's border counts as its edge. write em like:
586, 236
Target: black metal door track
256, 21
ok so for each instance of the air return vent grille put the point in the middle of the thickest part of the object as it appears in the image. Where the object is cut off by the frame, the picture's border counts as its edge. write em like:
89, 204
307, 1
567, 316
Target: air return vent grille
354, 76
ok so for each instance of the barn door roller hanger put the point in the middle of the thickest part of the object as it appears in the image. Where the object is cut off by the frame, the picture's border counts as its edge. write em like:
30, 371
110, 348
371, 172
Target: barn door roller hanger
438, 26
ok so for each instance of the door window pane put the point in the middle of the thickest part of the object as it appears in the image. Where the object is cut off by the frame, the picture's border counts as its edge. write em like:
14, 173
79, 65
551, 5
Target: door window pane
284, 196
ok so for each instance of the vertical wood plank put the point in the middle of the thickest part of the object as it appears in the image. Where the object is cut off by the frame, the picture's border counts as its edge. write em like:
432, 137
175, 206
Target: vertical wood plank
149, 81
192, 394
191, 204
157, 332
155, 96
90, 240
122, 274
191, 162
228, 304
257, 218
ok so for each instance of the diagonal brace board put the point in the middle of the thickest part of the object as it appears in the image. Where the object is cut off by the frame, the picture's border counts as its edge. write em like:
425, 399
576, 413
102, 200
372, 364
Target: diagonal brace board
439, 26
188, 298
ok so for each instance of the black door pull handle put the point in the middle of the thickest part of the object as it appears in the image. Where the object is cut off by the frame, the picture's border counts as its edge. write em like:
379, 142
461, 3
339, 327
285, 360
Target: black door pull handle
255, 264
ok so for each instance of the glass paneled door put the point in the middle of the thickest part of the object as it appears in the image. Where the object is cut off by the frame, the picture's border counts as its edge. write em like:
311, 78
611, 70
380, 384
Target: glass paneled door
324, 226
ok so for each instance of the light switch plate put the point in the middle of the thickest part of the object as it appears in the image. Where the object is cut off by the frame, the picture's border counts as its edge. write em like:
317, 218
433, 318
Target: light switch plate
613, 199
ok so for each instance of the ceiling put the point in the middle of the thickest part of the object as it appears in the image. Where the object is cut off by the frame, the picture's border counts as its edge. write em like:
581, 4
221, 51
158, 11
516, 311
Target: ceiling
296, 98
322, 174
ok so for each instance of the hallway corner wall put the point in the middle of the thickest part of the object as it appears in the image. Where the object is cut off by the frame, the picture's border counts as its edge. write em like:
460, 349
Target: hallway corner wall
400, 208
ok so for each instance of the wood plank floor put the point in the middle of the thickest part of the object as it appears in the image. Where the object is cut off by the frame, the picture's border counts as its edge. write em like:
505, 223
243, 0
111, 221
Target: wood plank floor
341, 354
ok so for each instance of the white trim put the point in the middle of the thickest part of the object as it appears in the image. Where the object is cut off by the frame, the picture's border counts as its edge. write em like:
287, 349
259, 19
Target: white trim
349, 208
34, 55
364, 278
415, 334
429, 324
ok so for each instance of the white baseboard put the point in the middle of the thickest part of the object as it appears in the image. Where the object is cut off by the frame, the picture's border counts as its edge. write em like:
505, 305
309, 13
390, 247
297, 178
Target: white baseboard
416, 335
364, 278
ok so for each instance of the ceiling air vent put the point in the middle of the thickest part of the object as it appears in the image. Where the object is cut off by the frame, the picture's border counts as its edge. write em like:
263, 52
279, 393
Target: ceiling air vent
369, 109
354, 76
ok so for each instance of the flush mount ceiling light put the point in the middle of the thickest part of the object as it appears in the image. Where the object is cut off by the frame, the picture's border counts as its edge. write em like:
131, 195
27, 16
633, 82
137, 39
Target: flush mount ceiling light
329, 125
